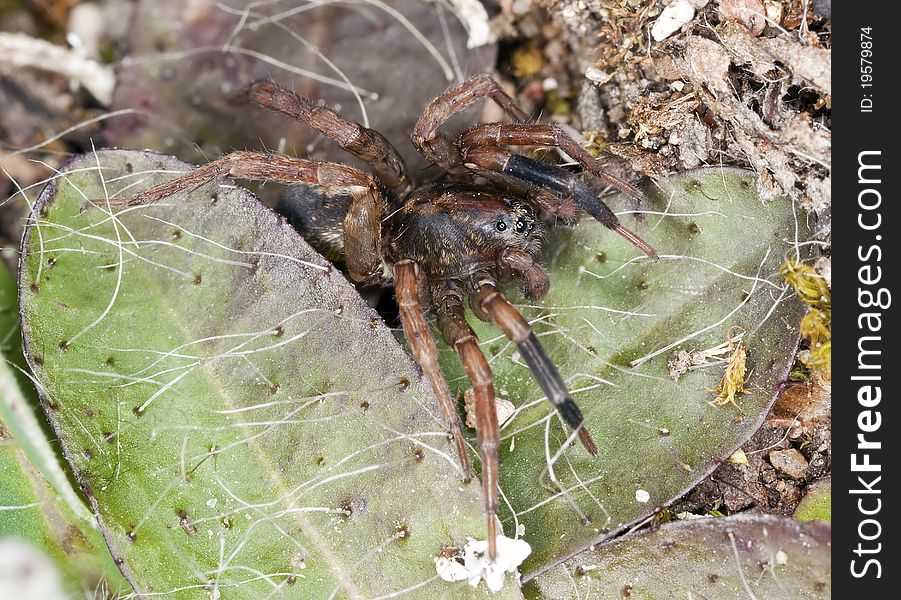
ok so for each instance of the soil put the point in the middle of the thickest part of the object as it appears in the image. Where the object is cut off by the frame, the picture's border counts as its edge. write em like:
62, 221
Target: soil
758, 486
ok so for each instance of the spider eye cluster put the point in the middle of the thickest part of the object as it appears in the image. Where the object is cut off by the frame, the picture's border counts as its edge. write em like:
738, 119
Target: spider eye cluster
520, 218
520, 226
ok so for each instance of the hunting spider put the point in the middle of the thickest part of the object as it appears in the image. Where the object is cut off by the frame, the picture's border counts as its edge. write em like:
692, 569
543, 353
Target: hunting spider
441, 244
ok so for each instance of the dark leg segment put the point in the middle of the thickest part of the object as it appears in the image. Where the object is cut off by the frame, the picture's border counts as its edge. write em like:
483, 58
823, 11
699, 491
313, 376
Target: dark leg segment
457, 333
562, 182
426, 353
537, 134
490, 303
441, 150
366, 144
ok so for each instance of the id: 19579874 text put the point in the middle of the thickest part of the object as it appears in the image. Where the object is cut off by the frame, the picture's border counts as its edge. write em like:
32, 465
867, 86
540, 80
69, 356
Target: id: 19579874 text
866, 69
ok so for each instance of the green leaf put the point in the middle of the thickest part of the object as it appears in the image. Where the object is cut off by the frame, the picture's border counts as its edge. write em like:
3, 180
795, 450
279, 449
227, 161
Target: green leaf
744, 556
31, 512
19, 400
51, 519
9, 322
816, 505
238, 416
612, 321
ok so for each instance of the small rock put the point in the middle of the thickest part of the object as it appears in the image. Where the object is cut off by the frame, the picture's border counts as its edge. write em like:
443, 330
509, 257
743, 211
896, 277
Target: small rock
789, 462
773, 11
597, 75
86, 29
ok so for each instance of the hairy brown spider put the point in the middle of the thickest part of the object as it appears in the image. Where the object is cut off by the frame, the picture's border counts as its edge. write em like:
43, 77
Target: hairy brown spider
445, 243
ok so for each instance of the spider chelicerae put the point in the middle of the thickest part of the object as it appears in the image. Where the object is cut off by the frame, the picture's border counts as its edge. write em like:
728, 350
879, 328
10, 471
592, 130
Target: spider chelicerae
443, 244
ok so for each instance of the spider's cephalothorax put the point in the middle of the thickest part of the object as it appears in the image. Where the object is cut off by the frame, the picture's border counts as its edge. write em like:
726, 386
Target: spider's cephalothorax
449, 243
456, 232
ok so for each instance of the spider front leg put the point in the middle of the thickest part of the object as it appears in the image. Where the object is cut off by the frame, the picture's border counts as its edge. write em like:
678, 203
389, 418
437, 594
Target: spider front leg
366, 144
362, 225
490, 304
539, 134
426, 353
440, 149
478, 147
460, 336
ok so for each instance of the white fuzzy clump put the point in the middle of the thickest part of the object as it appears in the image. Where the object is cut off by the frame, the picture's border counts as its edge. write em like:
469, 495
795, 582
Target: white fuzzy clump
474, 566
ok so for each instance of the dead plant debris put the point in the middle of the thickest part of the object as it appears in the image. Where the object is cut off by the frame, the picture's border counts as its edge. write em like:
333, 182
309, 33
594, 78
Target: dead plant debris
816, 326
736, 374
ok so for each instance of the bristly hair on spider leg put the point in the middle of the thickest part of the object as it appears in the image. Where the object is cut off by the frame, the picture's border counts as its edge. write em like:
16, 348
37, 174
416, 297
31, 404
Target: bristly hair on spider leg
553, 386
426, 353
636, 241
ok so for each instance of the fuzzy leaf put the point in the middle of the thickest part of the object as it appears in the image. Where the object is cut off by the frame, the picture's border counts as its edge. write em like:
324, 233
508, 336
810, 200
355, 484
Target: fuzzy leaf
32, 513
612, 322
19, 401
235, 412
744, 556
816, 505
51, 521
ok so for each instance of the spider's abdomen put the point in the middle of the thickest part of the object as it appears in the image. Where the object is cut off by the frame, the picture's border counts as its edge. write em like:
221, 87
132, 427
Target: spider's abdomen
318, 218
455, 231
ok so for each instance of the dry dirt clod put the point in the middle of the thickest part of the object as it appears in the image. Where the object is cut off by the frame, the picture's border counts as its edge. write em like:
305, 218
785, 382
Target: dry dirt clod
789, 462
803, 404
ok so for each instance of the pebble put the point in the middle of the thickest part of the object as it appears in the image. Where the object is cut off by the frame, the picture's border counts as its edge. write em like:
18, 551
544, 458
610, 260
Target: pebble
789, 462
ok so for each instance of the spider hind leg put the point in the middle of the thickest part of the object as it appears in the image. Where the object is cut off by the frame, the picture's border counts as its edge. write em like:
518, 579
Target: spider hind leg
426, 352
459, 335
